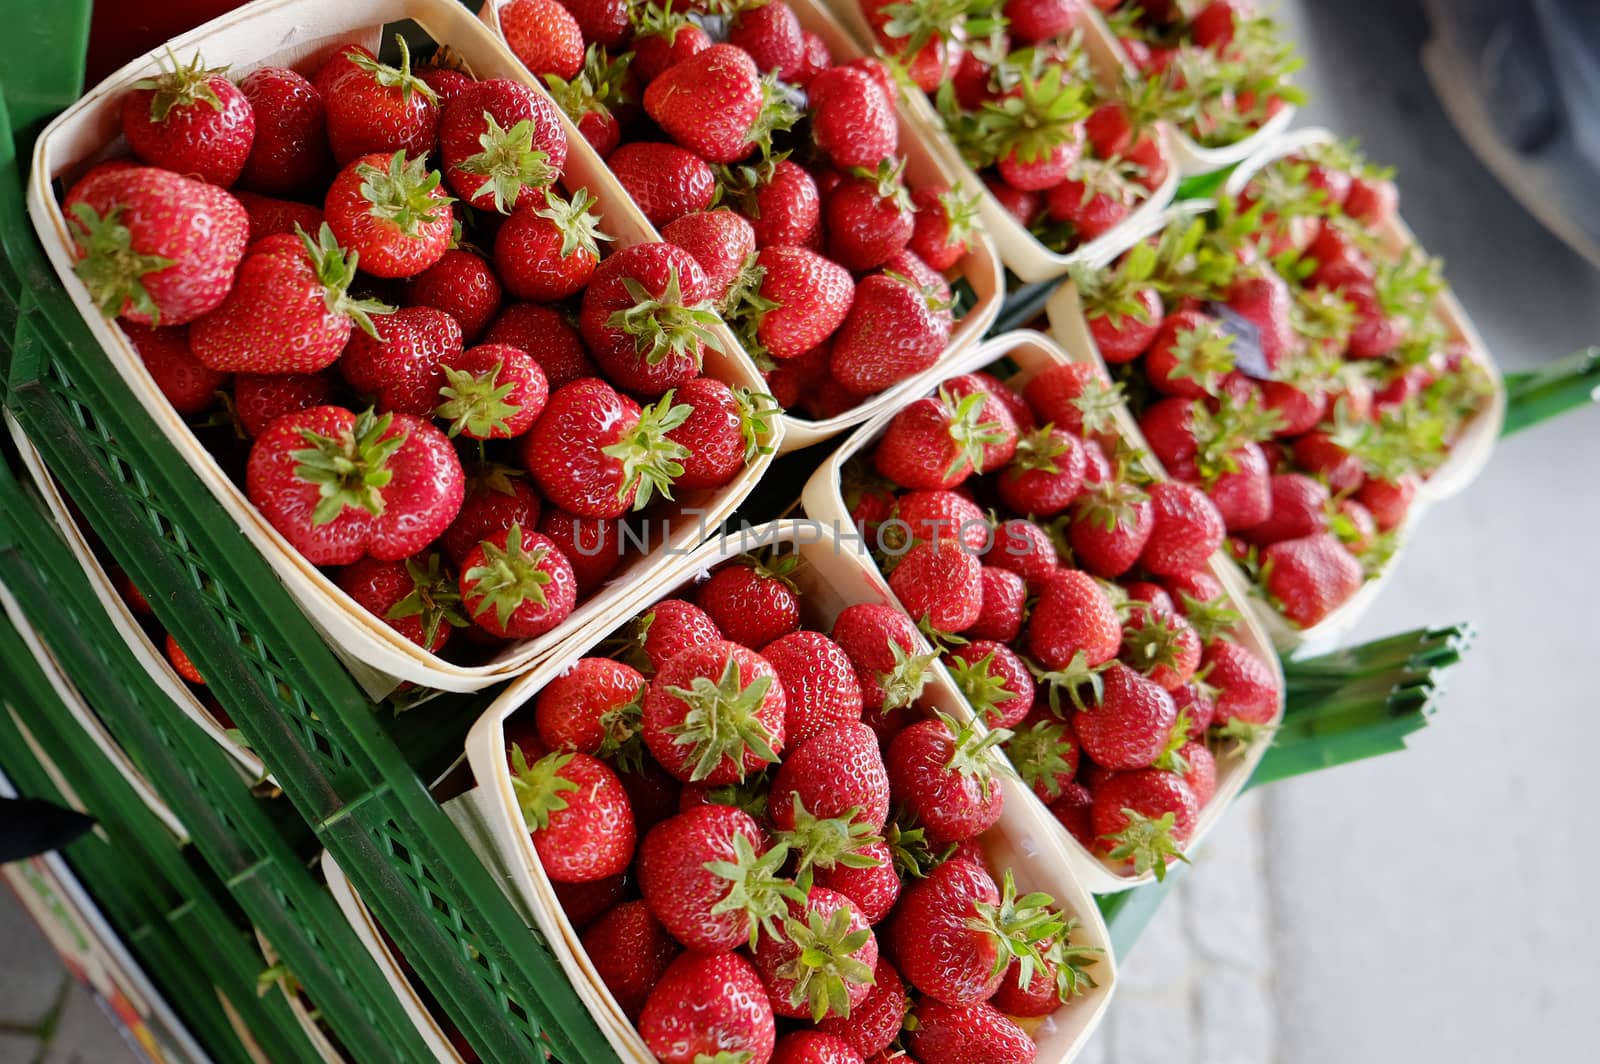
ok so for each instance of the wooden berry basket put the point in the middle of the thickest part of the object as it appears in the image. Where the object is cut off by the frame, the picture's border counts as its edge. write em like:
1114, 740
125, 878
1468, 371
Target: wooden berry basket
832, 576
1021, 251
1031, 353
300, 34
327, 1052
926, 164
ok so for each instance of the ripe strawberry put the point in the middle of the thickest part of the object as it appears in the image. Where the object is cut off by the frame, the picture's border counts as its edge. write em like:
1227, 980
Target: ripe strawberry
721, 434
882, 643
646, 316
1024, 206
500, 140
819, 684
1037, 138
1130, 726
1073, 617
720, 242
595, 454
939, 441
1026, 549
852, 118
1046, 474
821, 960
1243, 494
546, 335
1092, 204
190, 120
338, 486
1185, 531
752, 602
977, 1033
802, 300
1299, 508
1371, 200
1074, 396
835, 774
668, 627
183, 379
598, 98
780, 200
666, 181
1071, 810
1112, 523
594, 708
376, 108
893, 29
694, 862
1322, 455
1005, 599
578, 814
1033, 21
181, 664
1202, 771
662, 38
258, 400
415, 596
269, 217
1041, 996
490, 392
1045, 755
771, 34
544, 36
874, 1023
994, 680
866, 875
1388, 500
709, 103
391, 212
517, 585
1162, 646
1144, 818
814, 1047
548, 249
630, 952
497, 497
943, 772
591, 545
403, 370
462, 285
1311, 577
1247, 690
709, 1005
1189, 356
1199, 702
446, 82
715, 713
154, 247
938, 515
289, 154
1263, 298
584, 903
1299, 406
940, 584
944, 224
341, 63
869, 218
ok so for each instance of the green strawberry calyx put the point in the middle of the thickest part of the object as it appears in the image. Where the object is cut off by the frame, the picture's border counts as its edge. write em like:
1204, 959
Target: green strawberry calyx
396, 77
1077, 677
651, 461
1097, 405
914, 24
1147, 842
888, 181
1171, 757
779, 567
721, 721
623, 741
111, 267
756, 411
182, 86
1028, 124
828, 842
434, 597
403, 194
1040, 754
984, 689
1072, 964
972, 751
476, 403
508, 162
778, 114
1203, 354
1038, 451
1111, 505
349, 471
1022, 929
336, 271
960, 215
658, 20
968, 431
509, 576
755, 887
749, 795
824, 966
665, 325
909, 848
540, 786
1210, 618
1247, 733
596, 89
903, 681
1155, 642
578, 225
1114, 294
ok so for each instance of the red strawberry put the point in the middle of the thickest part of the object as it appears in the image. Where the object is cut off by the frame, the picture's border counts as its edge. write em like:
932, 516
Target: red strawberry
944, 223
816, 59
590, 544
814, 1047
1045, 756
1197, 700
499, 141
595, 454
1071, 810
1046, 474
943, 772
190, 120
548, 336
868, 878
578, 814
1074, 396
1005, 598
1371, 200
463, 286
1163, 646
602, 94
721, 433
836, 774
942, 515
290, 151
258, 401
604, 22
1026, 549
1299, 406
995, 681
343, 62
709, 103
1024, 206
269, 217
1322, 455
1388, 500
391, 212
181, 664
1130, 726
939, 441
183, 379
548, 249
1093, 206
940, 584
584, 903
720, 242
715, 713
810, 297
1040, 997
874, 1023
780, 200
1112, 523
403, 369
663, 38
752, 602
882, 643
630, 952
415, 596
375, 108
517, 585
1299, 508
852, 118
691, 863
594, 708
771, 34
544, 35
1263, 298
819, 684
446, 82
977, 1033
709, 1005
1033, 21
1189, 356
668, 627
1073, 617
1311, 577
666, 181
496, 498
1202, 773
646, 316
869, 218
1144, 818
930, 62
490, 392
820, 962
338, 486
1185, 531
1247, 690
153, 247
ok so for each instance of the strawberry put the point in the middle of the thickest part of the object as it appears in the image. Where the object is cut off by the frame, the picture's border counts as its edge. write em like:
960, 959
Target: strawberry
403, 370
662, 38
882, 643
976, 1033
939, 441
1074, 626
1071, 811
646, 315
1198, 701
710, 103
496, 498
954, 932
1299, 406
591, 545
708, 876
706, 1007
666, 181
1309, 578
1185, 530
715, 713
836, 774
184, 380
269, 217
815, 60
668, 627
544, 36
940, 584
630, 952
899, 28
446, 82
604, 22
341, 63
190, 120
1094, 203
1299, 508
578, 814
943, 227
721, 433
1001, 449
546, 335
1388, 500
1037, 137
1130, 726
869, 217
1243, 494
594, 708
1202, 771
593, 452
720, 242
1024, 206
375, 108
940, 515
874, 1022
752, 602
1074, 396
771, 34
779, 199
943, 772
1034, 21
517, 585
415, 596
1041, 996
1247, 690
866, 875
1026, 549
258, 401
1371, 200
821, 960
154, 247
814, 1047
548, 250
1162, 646
1005, 598
391, 212
1144, 818
1046, 474
1263, 299
491, 392
584, 903
852, 119
819, 684
499, 141
289, 153
463, 286
1045, 756
1112, 523
597, 98
181, 664
1189, 356
994, 680
1322, 455
802, 299
1010, 397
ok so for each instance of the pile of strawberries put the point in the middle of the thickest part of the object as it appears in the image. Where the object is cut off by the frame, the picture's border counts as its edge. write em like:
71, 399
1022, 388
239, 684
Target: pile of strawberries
1285, 362
1072, 598
1065, 156
759, 873
455, 432
781, 172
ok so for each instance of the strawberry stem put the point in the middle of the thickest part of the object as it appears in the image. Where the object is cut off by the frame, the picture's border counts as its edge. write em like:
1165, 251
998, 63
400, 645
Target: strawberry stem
352, 470
722, 721
475, 403
182, 86
539, 787
509, 576
825, 967
435, 597
110, 267
828, 842
336, 270
754, 887
665, 325
507, 162
651, 461
403, 194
